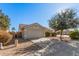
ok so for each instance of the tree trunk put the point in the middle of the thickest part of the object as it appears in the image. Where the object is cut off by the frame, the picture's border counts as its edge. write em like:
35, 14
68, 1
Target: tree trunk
61, 32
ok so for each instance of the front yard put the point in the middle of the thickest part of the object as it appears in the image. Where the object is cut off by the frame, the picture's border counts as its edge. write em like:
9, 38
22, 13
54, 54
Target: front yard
42, 47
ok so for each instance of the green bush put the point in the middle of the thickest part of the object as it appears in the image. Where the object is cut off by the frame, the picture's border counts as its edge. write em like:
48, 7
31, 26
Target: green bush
5, 37
47, 34
74, 35
53, 34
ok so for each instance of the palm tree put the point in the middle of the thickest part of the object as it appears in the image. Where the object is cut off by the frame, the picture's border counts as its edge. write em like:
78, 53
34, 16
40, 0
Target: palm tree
64, 20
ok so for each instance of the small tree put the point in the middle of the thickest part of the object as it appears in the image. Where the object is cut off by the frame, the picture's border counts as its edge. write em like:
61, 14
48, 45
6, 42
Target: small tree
64, 20
13, 32
4, 21
13, 29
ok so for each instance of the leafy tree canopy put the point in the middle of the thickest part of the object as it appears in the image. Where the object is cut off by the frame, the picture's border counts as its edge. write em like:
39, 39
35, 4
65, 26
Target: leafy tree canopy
65, 19
4, 21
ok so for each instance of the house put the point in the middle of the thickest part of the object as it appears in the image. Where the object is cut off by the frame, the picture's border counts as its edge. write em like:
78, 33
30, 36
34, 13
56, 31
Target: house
66, 31
34, 30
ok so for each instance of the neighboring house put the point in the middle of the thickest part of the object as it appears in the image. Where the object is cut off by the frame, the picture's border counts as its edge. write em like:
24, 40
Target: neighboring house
66, 31
34, 30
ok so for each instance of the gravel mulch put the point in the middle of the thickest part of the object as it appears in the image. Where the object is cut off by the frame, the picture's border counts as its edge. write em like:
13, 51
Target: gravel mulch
42, 47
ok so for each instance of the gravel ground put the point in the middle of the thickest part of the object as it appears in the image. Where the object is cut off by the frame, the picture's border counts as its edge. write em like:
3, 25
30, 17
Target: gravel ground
43, 47
58, 48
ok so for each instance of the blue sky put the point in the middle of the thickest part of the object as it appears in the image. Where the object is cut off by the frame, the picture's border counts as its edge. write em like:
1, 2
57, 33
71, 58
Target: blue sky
29, 13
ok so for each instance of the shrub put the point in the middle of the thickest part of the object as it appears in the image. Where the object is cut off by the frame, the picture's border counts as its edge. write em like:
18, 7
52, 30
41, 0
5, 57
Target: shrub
53, 34
19, 34
47, 34
74, 35
5, 37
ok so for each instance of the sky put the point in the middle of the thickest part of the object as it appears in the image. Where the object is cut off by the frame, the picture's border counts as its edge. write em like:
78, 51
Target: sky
28, 13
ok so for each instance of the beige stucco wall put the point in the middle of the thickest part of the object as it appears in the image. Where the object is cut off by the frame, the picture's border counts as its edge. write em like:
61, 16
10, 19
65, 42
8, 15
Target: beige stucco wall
33, 33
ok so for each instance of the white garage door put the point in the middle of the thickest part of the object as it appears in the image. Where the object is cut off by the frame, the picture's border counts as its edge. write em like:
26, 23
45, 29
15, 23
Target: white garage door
35, 34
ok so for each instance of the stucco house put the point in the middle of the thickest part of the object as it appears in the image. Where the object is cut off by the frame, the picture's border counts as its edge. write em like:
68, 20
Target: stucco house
34, 30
